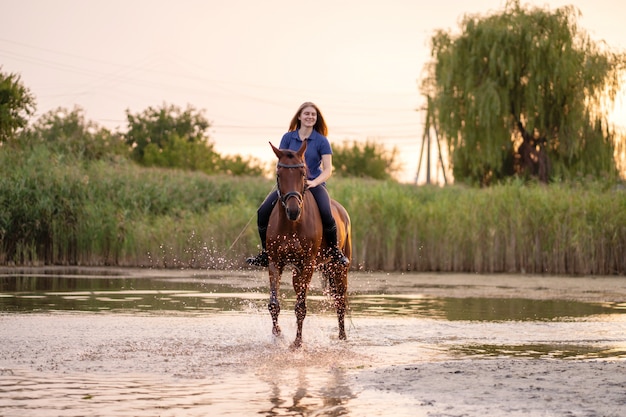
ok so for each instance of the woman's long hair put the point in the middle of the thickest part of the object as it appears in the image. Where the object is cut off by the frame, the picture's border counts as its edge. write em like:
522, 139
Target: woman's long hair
320, 124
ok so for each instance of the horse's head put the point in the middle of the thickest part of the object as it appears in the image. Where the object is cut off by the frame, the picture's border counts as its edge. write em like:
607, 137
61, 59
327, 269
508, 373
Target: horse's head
291, 180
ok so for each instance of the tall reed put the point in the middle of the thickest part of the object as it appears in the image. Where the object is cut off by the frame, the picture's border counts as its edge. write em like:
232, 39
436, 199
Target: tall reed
555, 229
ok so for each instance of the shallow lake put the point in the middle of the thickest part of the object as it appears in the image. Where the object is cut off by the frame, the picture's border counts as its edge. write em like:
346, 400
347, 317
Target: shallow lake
154, 342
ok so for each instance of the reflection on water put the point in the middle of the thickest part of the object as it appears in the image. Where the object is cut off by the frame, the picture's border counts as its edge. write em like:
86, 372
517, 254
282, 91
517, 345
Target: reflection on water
211, 294
97, 293
36, 393
544, 351
288, 392
298, 390
478, 309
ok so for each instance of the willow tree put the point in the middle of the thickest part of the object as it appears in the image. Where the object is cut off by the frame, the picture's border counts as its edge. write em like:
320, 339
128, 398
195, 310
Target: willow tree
522, 92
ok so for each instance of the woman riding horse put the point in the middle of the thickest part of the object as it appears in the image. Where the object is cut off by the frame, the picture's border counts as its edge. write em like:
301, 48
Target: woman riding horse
295, 238
306, 125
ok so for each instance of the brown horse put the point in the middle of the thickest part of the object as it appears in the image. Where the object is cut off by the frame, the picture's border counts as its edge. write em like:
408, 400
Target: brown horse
294, 237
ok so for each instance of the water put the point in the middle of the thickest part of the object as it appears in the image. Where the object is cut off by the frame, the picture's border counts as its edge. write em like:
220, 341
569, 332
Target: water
218, 292
141, 343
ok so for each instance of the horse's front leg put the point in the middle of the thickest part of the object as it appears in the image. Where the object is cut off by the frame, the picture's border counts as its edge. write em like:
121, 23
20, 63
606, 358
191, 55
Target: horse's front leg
301, 282
274, 305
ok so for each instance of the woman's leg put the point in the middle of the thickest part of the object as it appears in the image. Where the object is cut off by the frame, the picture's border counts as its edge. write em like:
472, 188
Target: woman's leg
322, 198
263, 218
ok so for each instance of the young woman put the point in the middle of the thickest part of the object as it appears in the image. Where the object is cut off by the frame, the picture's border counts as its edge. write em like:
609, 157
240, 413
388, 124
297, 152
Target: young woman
307, 124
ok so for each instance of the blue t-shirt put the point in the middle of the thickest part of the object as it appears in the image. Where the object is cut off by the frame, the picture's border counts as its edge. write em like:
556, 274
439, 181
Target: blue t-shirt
317, 146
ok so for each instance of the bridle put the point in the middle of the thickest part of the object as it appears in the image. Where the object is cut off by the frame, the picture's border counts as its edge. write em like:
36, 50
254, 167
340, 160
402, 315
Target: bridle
297, 195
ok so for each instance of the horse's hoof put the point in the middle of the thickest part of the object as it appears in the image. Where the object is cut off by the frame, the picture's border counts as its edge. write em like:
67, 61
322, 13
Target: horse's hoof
297, 344
276, 331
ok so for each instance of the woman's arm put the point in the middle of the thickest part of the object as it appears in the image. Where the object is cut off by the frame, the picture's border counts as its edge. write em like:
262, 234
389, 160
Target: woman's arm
327, 171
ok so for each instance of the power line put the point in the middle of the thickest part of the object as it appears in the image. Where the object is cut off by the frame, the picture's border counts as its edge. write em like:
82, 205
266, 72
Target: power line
120, 74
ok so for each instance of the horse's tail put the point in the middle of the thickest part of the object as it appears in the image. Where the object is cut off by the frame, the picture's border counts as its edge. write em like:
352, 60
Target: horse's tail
344, 228
347, 246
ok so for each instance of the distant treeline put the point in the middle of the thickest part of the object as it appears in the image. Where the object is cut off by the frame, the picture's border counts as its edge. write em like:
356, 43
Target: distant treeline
63, 212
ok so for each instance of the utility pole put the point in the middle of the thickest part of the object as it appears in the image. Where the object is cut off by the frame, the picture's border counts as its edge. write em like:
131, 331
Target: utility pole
429, 123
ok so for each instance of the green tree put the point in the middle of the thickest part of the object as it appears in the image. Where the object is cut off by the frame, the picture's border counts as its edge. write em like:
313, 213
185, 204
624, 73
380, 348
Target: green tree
17, 104
68, 132
520, 93
171, 137
237, 165
177, 152
365, 160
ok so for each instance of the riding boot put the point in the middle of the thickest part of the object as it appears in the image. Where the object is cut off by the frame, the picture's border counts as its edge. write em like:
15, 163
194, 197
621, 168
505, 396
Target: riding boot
261, 259
330, 234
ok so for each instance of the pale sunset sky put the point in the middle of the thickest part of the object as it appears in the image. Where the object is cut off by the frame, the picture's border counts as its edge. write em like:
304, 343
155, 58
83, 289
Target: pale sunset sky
250, 64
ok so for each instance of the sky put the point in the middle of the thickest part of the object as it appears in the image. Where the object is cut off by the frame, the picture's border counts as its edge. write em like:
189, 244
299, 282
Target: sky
248, 64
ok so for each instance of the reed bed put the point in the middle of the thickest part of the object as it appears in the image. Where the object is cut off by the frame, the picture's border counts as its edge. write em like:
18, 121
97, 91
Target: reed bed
64, 212
556, 229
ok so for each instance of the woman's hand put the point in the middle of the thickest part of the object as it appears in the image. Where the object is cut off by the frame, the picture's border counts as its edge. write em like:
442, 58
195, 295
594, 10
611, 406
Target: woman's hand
312, 183
327, 171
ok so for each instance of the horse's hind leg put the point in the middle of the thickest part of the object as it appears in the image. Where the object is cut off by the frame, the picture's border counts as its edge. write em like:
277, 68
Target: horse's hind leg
340, 303
337, 276
274, 305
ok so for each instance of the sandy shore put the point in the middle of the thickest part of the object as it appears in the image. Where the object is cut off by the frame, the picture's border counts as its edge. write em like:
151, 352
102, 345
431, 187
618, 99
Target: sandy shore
539, 287
507, 387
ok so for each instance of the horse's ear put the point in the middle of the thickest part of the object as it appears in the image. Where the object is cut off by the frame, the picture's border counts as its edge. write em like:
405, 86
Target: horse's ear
276, 150
302, 148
